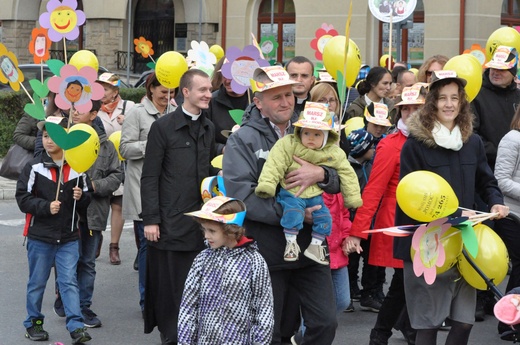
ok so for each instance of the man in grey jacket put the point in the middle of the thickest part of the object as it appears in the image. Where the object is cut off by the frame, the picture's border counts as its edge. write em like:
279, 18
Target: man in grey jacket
269, 118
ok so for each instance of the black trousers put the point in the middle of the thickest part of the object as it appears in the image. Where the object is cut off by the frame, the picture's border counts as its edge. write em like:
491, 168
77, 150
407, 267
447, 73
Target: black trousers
313, 285
372, 277
509, 232
392, 306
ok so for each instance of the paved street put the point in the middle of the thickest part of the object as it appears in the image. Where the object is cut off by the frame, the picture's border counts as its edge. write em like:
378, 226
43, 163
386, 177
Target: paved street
116, 298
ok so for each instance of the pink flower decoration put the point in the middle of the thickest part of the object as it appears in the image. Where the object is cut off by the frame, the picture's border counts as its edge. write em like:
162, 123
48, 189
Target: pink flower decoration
323, 35
62, 19
241, 65
71, 78
429, 251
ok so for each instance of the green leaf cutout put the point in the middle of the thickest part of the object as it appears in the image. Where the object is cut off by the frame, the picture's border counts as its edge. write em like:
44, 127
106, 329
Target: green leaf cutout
39, 89
341, 87
236, 115
55, 66
35, 109
469, 238
65, 140
317, 68
150, 65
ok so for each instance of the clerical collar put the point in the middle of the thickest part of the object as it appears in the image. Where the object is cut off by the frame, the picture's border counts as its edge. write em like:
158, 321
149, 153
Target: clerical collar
300, 100
194, 117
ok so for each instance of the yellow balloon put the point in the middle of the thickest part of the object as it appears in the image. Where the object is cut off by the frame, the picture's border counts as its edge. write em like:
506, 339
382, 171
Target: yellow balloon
426, 196
217, 51
353, 124
169, 69
452, 243
115, 138
334, 57
383, 61
83, 156
468, 67
505, 36
83, 58
217, 161
492, 259
414, 71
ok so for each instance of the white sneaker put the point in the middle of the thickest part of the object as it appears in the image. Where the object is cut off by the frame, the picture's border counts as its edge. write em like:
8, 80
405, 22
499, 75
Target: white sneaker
292, 250
316, 252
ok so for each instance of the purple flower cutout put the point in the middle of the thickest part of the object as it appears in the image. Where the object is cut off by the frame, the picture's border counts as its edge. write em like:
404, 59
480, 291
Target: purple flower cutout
62, 19
76, 88
241, 65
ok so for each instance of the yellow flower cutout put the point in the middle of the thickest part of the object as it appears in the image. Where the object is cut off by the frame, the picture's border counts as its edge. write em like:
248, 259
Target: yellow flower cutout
10, 72
143, 46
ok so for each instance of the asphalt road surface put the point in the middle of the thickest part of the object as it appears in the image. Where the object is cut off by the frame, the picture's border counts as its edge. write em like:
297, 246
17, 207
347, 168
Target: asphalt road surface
116, 298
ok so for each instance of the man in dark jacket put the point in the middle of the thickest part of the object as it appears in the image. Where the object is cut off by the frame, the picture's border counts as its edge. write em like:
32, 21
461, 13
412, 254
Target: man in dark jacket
301, 70
222, 101
178, 153
496, 103
269, 118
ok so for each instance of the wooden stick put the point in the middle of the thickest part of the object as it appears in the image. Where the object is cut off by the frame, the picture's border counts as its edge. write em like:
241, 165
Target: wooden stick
74, 208
26, 92
71, 110
65, 50
390, 39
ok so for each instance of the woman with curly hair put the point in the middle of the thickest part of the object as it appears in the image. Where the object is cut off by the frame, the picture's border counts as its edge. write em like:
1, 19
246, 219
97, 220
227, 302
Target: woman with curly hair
441, 140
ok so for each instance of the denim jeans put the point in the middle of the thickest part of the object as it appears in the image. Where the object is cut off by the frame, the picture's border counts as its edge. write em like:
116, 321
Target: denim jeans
341, 288
41, 257
139, 229
89, 241
294, 212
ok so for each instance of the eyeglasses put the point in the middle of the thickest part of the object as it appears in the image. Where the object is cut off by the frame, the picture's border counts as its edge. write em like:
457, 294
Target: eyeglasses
429, 73
328, 101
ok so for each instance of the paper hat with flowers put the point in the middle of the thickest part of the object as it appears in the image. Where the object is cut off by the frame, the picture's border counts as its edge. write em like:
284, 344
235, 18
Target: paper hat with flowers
315, 116
446, 74
270, 77
414, 94
377, 113
209, 209
503, 58
109, 78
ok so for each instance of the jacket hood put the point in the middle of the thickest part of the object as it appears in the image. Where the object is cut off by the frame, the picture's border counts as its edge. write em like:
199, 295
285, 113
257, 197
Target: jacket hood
421, 133
332, 138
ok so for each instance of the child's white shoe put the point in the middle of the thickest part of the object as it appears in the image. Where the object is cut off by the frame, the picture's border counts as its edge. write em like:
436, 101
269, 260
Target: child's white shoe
316, 252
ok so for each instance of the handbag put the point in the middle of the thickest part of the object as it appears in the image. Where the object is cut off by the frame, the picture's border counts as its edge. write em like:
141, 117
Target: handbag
14, 161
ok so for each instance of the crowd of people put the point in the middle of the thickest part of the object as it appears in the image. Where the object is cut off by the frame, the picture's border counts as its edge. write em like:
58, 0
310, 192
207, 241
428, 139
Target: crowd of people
275, 259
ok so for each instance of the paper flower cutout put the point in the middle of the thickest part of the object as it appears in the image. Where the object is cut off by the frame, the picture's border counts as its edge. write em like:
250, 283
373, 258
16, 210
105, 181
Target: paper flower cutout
10, 72
477, 51
76, 87
429, 251
143, 47
40, 45
323, 35
269, 46
241, 65
62, 19
200, 55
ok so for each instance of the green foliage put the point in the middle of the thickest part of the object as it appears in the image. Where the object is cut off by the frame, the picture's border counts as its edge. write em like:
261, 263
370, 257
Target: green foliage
11, 110
132, 94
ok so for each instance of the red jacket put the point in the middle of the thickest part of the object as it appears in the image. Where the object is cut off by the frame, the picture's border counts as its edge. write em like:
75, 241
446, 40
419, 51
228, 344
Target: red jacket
340, 229
380, 189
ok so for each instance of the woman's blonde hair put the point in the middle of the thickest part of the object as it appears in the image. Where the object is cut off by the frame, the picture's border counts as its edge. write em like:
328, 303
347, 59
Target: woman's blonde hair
440, 59
320, 90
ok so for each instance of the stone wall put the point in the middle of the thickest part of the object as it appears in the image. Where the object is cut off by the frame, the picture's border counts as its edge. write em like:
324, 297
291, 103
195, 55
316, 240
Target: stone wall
16, 37
106, 37
209, 33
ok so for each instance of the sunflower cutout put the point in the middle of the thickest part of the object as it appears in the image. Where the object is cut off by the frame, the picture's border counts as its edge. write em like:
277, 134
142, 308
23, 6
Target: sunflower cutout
268, 45
40, 45
477, 51
201, 58
144, 47
241, 65
322, 36
10, 72
429, 250
62, 19
76, 88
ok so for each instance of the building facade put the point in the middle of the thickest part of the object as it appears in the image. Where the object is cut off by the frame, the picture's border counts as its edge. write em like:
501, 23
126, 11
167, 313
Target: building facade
439, 26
